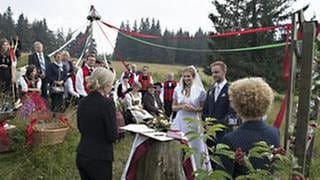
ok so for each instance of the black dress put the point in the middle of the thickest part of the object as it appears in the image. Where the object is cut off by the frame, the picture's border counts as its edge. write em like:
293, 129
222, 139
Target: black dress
5, 74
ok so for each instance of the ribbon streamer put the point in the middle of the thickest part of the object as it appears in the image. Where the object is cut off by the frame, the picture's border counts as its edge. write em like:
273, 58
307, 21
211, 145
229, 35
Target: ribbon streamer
116, 52
231, 33
29, 131
205, 50
73, 36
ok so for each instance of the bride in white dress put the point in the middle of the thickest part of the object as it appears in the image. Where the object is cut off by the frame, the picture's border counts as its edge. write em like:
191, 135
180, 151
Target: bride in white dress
188, 101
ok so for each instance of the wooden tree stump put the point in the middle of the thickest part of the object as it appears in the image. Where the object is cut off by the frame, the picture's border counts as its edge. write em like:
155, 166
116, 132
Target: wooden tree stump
163, 161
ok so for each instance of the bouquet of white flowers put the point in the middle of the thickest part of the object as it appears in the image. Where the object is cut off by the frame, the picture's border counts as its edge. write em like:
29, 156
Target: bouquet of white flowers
159, 123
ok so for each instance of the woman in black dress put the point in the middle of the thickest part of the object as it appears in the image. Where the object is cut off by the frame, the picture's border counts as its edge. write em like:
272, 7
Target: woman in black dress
96, 120
7, 73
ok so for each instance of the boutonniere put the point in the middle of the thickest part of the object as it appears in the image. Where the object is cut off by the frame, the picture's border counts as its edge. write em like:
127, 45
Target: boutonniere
210, 93
223, 95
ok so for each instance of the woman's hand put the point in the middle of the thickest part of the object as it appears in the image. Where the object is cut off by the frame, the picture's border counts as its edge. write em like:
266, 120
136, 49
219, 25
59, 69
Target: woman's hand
190, 108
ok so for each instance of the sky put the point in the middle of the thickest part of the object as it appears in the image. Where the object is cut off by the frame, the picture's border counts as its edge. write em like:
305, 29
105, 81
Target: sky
173, 14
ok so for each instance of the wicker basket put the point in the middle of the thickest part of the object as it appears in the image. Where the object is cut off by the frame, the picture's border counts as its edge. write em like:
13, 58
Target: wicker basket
48, 134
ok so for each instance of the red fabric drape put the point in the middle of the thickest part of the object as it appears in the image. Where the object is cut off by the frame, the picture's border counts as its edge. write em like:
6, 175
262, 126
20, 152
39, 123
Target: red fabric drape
277, 123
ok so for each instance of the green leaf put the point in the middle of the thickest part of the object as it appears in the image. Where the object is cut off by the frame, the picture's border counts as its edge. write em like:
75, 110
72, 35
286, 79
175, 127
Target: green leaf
219, 174
193, 137
217, 160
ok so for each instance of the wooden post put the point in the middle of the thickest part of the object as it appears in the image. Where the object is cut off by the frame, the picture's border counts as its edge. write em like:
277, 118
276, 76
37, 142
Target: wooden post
310, 149
291, 87
304, 93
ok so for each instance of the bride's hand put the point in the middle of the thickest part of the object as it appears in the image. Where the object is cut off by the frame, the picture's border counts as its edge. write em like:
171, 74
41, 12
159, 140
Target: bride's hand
188, 107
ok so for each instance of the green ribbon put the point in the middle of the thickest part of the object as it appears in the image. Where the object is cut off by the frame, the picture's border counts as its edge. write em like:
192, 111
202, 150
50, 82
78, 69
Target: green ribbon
268, 46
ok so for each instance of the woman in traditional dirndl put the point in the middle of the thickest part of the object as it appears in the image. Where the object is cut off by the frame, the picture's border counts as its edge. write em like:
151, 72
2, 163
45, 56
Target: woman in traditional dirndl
30, 86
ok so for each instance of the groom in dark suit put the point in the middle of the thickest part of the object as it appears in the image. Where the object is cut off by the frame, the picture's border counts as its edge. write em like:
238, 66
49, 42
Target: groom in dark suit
217, 104
41, 61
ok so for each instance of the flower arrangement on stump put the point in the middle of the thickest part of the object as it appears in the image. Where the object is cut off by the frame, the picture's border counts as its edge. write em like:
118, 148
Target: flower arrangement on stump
159, 123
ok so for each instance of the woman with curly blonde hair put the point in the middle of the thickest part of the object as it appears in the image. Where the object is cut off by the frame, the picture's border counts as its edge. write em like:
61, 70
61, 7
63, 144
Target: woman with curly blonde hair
251, 98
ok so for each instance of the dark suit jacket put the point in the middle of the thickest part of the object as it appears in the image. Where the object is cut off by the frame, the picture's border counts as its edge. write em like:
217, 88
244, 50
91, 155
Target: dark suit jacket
148, 103
96, 117
33, 59
52, 73
219, 109
245, 137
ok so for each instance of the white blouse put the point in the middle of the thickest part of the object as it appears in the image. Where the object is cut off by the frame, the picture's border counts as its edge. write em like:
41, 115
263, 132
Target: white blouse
24, 85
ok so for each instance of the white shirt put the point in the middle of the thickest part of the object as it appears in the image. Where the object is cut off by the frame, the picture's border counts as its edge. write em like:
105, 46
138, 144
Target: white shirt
69, 88
80, 82
220, 85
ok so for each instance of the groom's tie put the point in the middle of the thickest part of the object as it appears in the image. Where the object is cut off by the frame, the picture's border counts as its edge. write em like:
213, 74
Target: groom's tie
216, 92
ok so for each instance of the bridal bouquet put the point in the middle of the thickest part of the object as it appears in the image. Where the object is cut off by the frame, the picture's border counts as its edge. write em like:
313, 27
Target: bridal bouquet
159, 123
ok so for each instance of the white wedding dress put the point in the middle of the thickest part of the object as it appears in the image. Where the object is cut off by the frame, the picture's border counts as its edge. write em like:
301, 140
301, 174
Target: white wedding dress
197, 95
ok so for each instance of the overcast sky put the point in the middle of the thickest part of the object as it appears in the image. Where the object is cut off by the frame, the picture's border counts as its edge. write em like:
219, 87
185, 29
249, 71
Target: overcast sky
173, 14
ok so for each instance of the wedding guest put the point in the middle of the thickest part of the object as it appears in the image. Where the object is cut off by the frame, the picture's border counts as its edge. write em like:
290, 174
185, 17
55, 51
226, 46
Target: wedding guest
130, 73
188, 101
71, 96
151, 101
158, 89
7, 68
66, 61
168, 88
97, 125
41, 61
123, 87
133, 106
56, 74
145, 79
30, 85
251, 98
83, 74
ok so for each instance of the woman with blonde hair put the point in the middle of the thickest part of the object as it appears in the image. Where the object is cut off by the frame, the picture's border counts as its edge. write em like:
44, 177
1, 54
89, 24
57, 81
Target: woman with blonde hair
188, 101
97, 125
251, 98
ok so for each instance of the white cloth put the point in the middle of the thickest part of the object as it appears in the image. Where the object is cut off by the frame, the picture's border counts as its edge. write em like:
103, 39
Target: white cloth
197, 96
137, 141
69, 89
79, 83
24, 86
